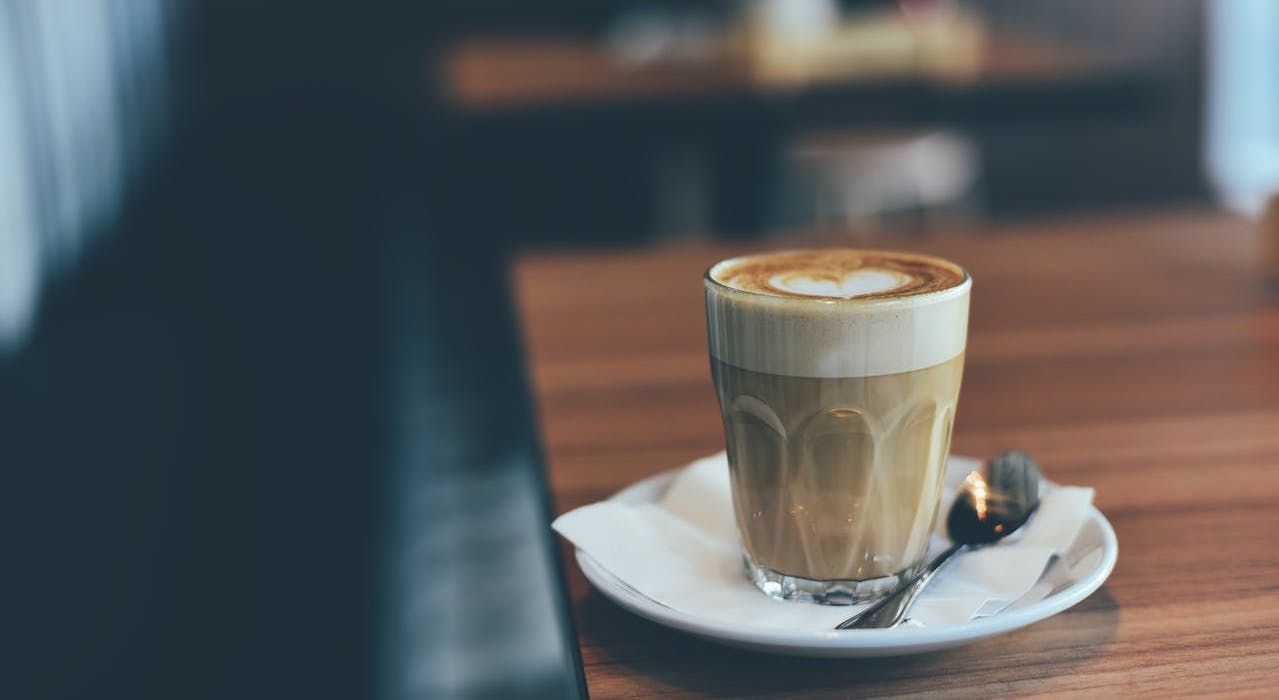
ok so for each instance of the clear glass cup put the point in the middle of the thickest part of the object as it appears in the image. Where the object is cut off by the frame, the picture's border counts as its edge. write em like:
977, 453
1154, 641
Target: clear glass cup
837, 418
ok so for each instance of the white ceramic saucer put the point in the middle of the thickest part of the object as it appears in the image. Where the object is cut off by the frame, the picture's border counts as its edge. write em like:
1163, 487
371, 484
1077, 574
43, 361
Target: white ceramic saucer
1072, 578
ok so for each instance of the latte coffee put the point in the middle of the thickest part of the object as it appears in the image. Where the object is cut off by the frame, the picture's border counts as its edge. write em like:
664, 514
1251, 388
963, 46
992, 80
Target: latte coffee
837, 372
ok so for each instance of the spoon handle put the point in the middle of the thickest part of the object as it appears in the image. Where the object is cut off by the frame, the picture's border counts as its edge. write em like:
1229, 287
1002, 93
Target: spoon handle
890, 611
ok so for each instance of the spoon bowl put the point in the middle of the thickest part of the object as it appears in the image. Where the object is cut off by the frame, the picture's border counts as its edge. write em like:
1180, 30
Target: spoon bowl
996, 501
991, 505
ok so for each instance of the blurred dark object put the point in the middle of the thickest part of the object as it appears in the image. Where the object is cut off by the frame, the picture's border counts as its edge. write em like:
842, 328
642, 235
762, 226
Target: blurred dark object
1107, 161
269, 435
578, 129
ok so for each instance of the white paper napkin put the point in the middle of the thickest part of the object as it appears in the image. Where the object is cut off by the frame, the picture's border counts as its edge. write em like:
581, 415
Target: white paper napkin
683, 552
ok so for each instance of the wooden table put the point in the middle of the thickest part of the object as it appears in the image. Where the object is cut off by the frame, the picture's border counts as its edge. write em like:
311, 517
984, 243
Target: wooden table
1138, 355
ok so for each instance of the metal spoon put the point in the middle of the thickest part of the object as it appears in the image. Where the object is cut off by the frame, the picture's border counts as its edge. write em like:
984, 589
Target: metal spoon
991, 505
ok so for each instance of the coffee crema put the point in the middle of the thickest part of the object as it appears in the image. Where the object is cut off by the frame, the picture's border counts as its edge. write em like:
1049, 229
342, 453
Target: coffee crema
838, 273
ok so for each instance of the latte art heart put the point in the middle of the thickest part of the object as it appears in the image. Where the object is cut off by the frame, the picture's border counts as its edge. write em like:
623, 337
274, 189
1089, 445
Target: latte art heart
838, 273
852, 284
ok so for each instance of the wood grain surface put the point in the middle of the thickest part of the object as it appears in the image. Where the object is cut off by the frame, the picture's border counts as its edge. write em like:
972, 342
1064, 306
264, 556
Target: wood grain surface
1137, 354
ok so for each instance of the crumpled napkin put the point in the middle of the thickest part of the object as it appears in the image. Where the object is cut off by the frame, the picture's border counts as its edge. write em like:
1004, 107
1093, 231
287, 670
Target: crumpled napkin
683, 551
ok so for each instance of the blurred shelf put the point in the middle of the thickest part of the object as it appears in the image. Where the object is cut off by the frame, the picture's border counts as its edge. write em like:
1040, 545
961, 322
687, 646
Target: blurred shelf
1005, 78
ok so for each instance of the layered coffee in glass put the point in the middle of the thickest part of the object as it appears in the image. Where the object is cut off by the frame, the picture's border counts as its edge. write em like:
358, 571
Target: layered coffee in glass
838, 373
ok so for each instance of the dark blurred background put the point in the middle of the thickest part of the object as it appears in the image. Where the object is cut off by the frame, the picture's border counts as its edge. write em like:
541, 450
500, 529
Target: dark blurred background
264, 426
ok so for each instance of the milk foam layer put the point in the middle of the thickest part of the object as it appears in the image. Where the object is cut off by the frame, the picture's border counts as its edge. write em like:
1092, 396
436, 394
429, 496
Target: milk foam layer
836, 313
